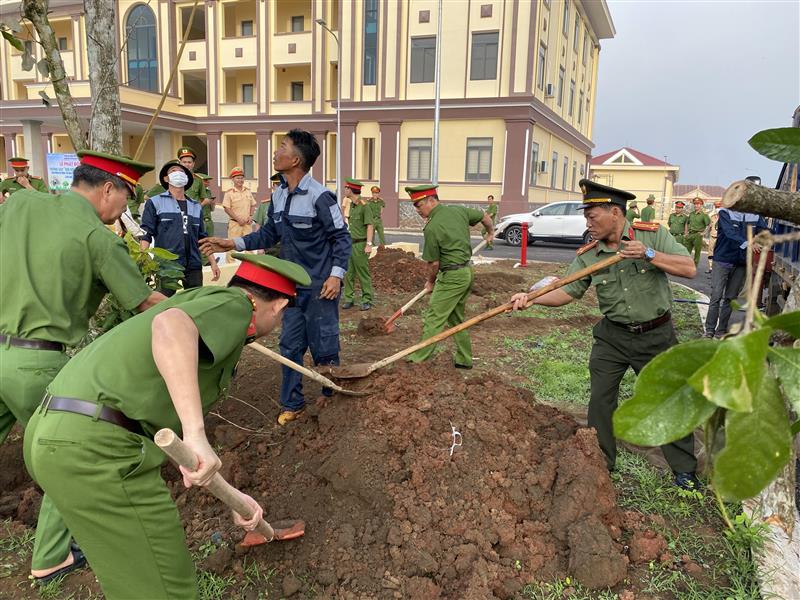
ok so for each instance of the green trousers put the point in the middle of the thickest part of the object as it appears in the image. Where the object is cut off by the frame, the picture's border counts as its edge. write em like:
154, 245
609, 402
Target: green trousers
106, 482
694, 244
446, 308
614, 350
24, 376
358, 268
378, 225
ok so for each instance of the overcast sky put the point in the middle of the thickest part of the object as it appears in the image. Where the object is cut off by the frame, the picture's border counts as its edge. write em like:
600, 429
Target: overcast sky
695, 80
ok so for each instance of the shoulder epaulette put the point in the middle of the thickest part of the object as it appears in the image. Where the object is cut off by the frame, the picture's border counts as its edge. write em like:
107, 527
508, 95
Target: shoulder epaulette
33, 177
646, 226
586, 248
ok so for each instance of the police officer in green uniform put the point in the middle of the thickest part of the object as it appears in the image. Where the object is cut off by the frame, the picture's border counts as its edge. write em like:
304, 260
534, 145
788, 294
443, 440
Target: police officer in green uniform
447, 250
634, 296
197, 191
51, 290
677, 222
22, 180
361, 230
697, 224
260, 216
491, 210
649, 211
377, 204
632, 212
90, 444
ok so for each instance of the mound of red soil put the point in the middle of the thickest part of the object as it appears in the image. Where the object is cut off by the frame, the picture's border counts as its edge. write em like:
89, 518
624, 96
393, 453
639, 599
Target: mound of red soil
396, 271
397, 505
496, 282
372, 326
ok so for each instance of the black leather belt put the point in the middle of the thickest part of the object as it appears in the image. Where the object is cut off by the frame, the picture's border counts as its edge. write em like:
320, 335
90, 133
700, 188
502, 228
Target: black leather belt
90, 409
453, 267
643, 327
359, 240
31, 344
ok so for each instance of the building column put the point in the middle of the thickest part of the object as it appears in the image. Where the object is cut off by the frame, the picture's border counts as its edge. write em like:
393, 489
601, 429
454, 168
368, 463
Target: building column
264, 157
46, 145
318, 170
388, 173
214, 142
348, 152
163, 152
11, 149
517, 160
32, 130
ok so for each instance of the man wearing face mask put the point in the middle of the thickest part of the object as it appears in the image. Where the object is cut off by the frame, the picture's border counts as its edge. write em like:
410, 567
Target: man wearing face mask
176, 224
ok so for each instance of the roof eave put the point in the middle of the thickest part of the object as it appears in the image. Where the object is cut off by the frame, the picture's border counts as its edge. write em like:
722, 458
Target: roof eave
600, 19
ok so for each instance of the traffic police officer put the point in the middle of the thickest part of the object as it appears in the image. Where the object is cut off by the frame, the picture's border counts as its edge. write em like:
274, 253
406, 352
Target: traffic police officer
306, 219
634, 296
447, 250
45, 306
361, 225
377, 203
90, 444
21, 179
677, 222
697, 223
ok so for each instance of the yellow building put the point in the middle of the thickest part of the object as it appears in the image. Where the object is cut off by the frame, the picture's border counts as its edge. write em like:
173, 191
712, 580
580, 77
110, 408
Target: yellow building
638, 173
518, 86
707, 193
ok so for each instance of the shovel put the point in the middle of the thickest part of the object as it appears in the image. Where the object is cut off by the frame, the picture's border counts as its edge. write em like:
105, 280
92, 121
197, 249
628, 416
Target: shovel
173, 446
301, 369
363, 369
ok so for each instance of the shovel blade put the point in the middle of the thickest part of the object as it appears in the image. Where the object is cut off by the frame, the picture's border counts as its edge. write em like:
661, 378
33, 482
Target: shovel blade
284, 531
350, 371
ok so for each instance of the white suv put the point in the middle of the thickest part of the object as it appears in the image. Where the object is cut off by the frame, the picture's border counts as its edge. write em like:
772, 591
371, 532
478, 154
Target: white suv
556, 222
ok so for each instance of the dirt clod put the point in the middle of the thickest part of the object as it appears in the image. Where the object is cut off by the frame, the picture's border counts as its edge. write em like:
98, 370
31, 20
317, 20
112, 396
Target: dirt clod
372, 326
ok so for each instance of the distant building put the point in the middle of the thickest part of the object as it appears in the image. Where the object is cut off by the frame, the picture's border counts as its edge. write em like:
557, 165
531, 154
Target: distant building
707, 193
638, 173
518, 90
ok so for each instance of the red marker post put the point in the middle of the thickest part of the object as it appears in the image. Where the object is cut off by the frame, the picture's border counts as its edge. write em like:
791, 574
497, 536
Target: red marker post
523, 247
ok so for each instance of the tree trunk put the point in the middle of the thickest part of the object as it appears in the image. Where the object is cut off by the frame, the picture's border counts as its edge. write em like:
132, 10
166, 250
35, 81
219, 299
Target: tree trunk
748, 197
36, 12
106, 121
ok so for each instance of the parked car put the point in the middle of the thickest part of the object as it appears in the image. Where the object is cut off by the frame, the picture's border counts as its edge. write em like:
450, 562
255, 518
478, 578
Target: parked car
556, 222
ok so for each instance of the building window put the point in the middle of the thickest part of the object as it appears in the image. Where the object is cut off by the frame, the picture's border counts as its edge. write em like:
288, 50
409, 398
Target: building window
580, 107
297, 91
565, 28
561, 74
247, 93
198, 30
588, 114
574, 173
298, 24
370, 41
571, 96
564, 174
63, 44
247, 28
577, 34
484, 56
247, 166
195, 86
534, 162
541, 66
369, 159
554, 170
142, 49
479, 159
585, 43
419, 159
423, 59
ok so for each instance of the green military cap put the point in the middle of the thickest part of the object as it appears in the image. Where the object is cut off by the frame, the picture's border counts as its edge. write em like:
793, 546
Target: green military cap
595, 194
130, 171
186, 151
633, 203
271, 272
18, 162
175, 163
353, 184
419, 192
276, 177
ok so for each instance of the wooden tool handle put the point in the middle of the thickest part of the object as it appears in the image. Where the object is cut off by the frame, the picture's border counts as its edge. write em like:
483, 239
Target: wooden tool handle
301, 369
173, 446
500, 309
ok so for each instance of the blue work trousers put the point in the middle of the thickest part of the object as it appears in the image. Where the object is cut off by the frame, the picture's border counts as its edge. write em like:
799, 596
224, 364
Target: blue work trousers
312, 324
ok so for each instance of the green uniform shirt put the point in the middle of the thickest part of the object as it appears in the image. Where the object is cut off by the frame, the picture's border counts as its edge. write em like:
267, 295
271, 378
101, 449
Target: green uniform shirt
491, 210
100, 374
260, 216
631, 291
57, 261
10, 185
447, 234
698, 221
377, 207
631, 214
677, 223
648, 214
361, 215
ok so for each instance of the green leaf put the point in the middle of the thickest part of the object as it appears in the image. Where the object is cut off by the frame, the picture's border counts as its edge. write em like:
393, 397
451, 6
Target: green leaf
757, 445
786, 364
781, 144
43, 68
789, 322
14, 41
732, 377
28, 61
162, 253
664, 408
796, 428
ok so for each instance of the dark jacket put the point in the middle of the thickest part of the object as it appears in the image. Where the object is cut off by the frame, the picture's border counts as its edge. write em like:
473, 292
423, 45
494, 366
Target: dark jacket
731, 246
163, 220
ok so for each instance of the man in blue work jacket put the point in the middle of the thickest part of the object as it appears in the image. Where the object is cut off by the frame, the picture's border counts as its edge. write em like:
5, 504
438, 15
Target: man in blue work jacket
175, 221
305, 218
